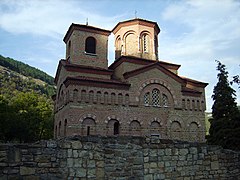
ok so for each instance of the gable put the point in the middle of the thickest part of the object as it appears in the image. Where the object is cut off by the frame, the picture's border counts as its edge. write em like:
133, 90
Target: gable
156, 67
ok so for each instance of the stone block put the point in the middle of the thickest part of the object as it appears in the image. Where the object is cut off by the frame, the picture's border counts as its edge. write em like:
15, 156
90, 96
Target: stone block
91, 164
26, 170
91, 173
69, 162
45, 165
148, 177
153, 165
100, 164
168, 151
215, 165
75, 153
76, 145
69, 153
51, 144
100, 173
183, 152
77, 162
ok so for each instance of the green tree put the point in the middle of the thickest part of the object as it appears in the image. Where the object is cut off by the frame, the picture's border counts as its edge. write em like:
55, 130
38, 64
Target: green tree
27, 117
225, 122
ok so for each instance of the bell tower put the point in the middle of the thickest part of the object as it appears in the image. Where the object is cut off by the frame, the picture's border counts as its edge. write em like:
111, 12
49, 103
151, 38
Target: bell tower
136, 37
87, 45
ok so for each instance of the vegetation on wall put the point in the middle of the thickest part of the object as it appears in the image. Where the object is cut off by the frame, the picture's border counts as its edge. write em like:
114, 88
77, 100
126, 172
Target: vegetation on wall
225, 121
26, 107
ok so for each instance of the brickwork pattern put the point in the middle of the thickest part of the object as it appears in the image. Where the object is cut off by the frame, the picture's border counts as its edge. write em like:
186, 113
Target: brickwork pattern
117, 158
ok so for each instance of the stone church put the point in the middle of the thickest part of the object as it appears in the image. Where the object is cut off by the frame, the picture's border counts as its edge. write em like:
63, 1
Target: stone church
137, 95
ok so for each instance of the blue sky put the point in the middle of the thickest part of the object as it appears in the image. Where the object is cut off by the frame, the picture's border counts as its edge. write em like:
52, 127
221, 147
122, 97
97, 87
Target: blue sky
193, 33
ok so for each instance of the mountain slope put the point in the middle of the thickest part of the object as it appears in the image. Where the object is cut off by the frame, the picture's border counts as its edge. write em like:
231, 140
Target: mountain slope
17, 76
25, 69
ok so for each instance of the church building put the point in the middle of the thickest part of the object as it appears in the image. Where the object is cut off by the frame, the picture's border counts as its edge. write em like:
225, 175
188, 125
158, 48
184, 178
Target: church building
137, 95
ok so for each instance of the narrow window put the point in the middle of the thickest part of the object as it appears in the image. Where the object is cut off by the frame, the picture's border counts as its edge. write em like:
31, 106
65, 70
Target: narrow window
105, 98
90, 45
113, 98
120, 99
75, 95
164, 100
116, 128
145, 42
91, 96
147, 99
83, 96
193, 105
69, 49
55, 131
88, 130
99, 97
126, 99
156, 97
59, 129
156, 46
65, 127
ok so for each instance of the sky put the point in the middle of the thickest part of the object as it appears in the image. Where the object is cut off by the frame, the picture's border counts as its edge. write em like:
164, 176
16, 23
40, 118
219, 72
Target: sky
194, 33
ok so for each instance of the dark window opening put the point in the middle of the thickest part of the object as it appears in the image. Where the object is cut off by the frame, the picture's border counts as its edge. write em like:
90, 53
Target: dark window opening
90, 45
88, 130
65, 127
116, 128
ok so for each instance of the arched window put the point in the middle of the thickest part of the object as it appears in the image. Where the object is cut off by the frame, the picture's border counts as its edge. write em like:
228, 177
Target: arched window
91, 96
99, 97
135, 128
89, 126
193, 105
90, 45
113, 98
156, 97
120, 99
127, 99
105, 98
83, 96
75, 95
145, 43
164, 100
147, 99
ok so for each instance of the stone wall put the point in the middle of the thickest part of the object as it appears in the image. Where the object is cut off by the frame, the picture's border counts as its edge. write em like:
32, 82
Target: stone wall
117, 158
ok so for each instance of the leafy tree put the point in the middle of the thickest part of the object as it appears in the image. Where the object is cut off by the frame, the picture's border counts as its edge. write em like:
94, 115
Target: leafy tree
28, 117
225, 122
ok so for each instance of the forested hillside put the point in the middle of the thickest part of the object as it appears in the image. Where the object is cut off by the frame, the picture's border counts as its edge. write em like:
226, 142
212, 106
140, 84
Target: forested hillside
25, 69
26, 107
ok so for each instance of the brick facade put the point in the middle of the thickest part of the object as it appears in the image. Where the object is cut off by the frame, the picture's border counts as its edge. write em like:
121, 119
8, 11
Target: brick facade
137, 95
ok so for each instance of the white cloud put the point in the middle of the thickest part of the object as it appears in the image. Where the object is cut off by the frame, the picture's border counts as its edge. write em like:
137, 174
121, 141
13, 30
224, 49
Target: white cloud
213, 28
48, 17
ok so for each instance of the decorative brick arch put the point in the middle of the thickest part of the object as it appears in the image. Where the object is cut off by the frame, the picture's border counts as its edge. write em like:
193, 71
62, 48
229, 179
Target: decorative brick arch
157, 81
155, 119
88, 115
111, 117
127, 33
175, 118
145, 32
135, 119
193, 119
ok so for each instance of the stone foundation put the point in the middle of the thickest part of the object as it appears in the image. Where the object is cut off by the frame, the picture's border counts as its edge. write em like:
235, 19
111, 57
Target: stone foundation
117, 158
